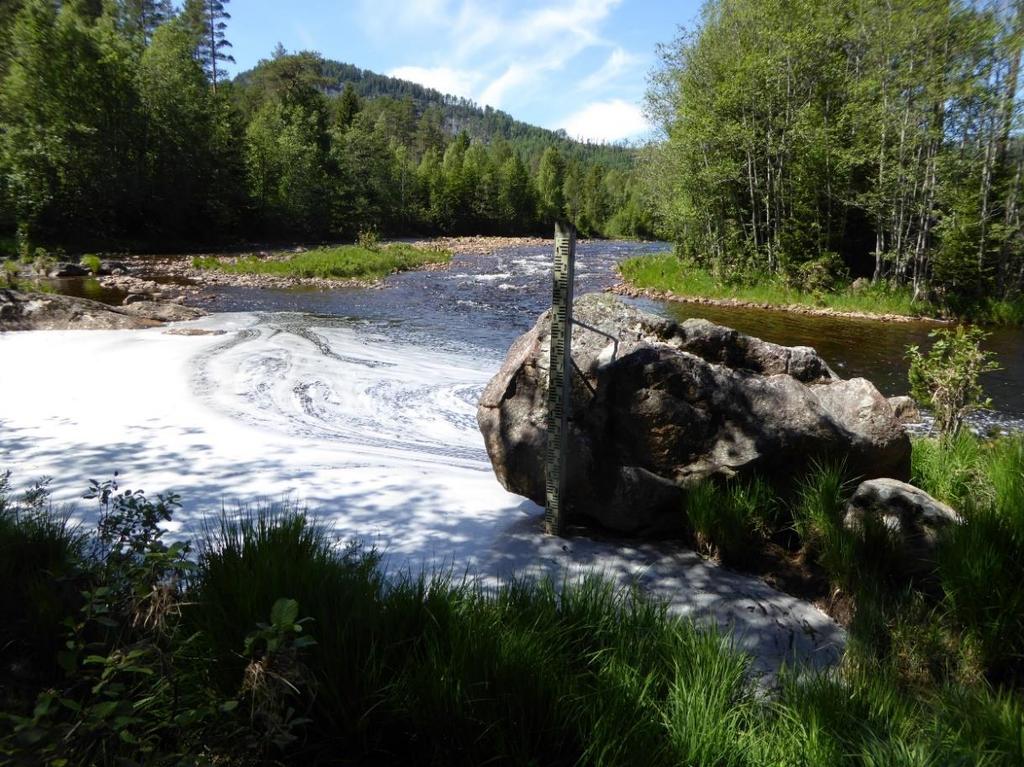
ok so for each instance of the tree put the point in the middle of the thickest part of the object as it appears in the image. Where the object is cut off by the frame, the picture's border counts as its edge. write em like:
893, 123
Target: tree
877, 130
550, 185
347, 106
181, 115
73, 164
207, 19
946, 379
140, 18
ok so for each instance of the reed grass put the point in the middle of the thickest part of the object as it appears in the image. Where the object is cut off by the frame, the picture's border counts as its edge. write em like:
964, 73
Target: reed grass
428, 668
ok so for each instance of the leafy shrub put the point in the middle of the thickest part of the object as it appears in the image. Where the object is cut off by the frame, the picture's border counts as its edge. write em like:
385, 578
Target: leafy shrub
368, 239
92, 262
946, 379
821, 275
43, 262
10, 273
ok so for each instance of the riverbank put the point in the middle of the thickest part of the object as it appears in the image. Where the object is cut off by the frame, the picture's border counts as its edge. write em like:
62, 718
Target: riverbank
358, 665
28, 310
664, 277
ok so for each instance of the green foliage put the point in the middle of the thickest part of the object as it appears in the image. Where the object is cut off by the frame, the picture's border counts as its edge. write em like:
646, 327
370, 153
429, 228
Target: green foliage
947, 378
91, 262
981, 563
668, 272
431, 671
884, 132
730, 521
342, 262
368, 239
11, 270
818, 521
157, 144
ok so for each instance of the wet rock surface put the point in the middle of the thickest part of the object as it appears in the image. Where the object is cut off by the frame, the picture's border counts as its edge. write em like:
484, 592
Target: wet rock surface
673, 404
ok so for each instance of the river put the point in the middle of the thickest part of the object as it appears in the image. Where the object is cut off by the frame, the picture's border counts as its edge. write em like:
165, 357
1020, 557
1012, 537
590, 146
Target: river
482, 303
360, 404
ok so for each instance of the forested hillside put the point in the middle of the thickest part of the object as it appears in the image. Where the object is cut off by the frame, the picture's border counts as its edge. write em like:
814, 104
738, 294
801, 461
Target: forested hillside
827, 139
118, 125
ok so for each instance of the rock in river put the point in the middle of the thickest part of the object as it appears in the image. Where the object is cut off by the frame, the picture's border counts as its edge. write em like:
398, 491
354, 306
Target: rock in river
678, 403
49, 311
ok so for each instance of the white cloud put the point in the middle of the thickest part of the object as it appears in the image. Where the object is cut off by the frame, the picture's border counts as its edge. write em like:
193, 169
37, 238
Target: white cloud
514, 76
445, 79
611, 120
496, 51
618, 62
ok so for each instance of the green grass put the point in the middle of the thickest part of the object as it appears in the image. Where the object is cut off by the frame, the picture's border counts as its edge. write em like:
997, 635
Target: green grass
430, 669
342, 262
664, 271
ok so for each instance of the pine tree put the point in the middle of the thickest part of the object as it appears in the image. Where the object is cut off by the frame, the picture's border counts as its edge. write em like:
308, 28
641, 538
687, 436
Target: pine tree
140, 18
207, 19
348, 106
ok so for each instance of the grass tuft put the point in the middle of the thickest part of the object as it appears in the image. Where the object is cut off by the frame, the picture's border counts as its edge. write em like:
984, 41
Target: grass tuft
343, 262
665, 271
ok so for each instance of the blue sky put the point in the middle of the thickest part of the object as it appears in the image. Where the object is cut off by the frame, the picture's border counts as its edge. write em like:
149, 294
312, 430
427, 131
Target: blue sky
580, 65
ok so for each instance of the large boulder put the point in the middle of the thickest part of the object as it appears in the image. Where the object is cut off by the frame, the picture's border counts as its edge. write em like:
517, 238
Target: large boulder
678, 403
910, 518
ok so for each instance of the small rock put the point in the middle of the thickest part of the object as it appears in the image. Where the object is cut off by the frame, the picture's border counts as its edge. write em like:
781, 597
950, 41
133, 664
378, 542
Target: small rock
112, 267
905, 409
911, 518
134, 298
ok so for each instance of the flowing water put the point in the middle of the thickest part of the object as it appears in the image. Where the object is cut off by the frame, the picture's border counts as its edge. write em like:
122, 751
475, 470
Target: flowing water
482, 303
361, 403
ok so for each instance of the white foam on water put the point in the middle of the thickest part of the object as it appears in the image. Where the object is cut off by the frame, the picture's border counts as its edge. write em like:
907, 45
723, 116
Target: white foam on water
374, 434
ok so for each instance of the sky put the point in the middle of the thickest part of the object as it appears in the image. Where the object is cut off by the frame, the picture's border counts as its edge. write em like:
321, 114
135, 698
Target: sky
580, 65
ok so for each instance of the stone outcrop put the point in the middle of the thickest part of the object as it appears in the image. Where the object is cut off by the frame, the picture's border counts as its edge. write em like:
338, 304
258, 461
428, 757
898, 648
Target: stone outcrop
905, 409
908, 516
680, 402
48, 311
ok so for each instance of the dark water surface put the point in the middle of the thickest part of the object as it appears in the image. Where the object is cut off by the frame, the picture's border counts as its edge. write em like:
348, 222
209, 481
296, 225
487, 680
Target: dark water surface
482, 303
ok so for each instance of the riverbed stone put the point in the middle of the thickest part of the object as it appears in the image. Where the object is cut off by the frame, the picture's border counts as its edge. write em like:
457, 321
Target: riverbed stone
905, 408
49, 311
674, 404
68, 270
908, 516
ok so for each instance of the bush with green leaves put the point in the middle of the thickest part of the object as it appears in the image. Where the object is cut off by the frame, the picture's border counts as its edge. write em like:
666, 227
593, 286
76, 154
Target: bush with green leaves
92, 262
946, 379
11, 270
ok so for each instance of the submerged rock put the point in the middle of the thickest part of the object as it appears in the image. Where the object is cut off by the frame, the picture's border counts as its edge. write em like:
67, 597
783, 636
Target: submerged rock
678, 403
69, 270
910, 518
